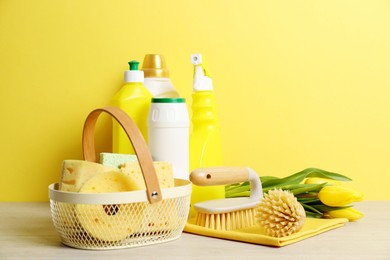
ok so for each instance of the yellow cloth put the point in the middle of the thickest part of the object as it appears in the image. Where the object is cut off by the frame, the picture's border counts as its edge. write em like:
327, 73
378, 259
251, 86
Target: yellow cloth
256, 234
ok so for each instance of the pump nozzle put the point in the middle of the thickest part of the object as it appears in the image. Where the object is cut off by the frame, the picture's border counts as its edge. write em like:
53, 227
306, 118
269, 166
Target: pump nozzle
202, 81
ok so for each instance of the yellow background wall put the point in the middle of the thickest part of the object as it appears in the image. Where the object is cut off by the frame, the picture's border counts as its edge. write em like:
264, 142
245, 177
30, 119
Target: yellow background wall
298, 83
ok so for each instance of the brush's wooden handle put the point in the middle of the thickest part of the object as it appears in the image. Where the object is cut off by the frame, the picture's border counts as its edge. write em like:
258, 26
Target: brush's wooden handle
219, 175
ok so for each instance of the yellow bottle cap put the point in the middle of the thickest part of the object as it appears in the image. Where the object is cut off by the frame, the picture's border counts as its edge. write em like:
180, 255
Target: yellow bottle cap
154, 66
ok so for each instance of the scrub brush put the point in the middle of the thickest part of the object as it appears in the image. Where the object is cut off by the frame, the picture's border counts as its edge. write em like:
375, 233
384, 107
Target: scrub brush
280, 213
231, 213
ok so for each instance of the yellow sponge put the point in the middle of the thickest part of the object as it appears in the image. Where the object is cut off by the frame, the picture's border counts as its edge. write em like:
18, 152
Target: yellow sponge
109, 222
163, 171
76, 172
161, 216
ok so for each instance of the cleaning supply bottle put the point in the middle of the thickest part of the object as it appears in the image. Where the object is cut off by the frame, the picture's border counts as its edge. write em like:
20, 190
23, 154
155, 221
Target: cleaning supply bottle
134, 99
205, 138
168, 134
157, 79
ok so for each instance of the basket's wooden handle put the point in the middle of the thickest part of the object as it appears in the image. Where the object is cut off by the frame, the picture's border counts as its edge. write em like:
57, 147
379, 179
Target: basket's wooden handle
219, 175
137, 140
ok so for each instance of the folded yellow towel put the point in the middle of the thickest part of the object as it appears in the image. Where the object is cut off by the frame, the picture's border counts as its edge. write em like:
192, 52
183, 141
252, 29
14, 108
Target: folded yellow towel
257, 234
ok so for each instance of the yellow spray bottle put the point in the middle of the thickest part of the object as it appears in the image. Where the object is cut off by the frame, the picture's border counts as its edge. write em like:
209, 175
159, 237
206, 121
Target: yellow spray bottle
205, 138
134, 99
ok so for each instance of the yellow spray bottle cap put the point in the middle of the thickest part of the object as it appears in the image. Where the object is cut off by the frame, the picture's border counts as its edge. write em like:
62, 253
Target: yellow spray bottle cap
154, 66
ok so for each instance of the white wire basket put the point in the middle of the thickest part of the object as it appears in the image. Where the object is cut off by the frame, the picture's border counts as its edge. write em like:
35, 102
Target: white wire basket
120, 219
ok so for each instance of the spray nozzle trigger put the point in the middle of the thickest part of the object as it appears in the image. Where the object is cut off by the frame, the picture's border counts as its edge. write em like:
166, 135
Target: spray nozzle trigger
202, 80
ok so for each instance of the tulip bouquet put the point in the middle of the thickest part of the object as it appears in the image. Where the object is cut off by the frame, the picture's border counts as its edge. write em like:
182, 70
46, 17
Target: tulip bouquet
321, 193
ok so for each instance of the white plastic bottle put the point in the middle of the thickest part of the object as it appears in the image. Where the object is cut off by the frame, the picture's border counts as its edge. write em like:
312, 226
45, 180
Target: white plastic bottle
168, 134
157, 79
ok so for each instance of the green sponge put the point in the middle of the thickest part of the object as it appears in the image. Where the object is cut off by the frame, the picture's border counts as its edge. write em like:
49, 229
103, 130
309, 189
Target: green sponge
116, 159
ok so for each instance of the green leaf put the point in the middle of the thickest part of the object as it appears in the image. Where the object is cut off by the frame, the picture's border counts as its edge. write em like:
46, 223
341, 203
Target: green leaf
300, 176
308, 188
323, 208
232, 187
285, 186
292, 182
310, 208
297, 189
267, 178
315, 172
237, 190
308, 200
310, 214
238, 194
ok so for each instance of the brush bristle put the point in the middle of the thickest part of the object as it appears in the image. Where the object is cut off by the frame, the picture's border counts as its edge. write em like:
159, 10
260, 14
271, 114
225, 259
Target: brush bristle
280, 213
227, 221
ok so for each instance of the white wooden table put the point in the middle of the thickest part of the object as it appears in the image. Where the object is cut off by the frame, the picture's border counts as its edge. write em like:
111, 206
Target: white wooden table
26, 231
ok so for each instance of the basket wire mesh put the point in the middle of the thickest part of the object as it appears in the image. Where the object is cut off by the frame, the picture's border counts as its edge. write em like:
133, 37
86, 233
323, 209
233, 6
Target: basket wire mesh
100, 226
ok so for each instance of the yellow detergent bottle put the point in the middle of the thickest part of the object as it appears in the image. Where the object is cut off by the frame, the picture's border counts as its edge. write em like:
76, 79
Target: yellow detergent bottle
205, 139
135, 100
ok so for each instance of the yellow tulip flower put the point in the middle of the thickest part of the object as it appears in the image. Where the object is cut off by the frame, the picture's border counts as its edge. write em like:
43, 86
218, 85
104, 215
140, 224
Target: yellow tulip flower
350, 213
316, 180
338, 196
